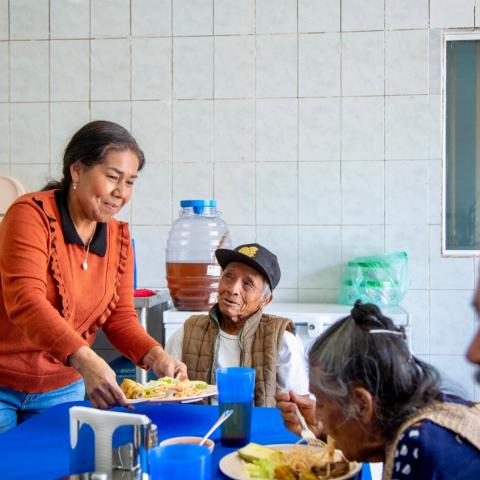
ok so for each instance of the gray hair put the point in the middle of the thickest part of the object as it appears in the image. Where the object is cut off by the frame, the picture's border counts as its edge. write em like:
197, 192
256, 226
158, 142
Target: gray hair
347, 355
267, 291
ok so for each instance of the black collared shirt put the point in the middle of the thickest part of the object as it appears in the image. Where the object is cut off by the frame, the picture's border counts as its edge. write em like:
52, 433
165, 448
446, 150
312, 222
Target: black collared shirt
98, 244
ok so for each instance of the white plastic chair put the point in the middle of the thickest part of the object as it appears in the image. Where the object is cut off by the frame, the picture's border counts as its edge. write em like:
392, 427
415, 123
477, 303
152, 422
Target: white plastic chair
10, 189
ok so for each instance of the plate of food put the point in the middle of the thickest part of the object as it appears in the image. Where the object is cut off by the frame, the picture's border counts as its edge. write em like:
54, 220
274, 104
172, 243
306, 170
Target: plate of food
288, 462
167, 390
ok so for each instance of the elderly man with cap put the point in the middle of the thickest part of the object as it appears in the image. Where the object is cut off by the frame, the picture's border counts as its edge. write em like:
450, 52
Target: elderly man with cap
236, 331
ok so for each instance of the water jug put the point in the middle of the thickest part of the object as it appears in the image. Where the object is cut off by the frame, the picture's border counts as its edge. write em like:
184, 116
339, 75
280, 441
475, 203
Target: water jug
193, 272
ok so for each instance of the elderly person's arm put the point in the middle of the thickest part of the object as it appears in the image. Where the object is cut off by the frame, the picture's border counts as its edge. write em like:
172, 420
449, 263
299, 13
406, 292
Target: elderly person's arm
292, 367
288, 402
293, 385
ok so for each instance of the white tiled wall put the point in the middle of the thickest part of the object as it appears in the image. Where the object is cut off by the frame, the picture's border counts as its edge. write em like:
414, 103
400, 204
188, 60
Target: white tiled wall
314, 123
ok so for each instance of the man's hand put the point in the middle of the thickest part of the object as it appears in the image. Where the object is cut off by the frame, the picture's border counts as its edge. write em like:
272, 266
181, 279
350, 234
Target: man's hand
163, 364
100, 380
288, 402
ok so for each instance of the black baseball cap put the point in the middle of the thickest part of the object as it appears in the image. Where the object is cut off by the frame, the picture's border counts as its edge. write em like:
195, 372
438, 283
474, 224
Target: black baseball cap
254, 255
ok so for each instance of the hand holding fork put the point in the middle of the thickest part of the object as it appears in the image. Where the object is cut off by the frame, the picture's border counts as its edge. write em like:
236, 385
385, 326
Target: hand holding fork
289, 404
306, 434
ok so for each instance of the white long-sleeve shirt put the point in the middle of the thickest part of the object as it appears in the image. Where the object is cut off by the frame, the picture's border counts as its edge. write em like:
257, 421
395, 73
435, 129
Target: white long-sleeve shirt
292, 370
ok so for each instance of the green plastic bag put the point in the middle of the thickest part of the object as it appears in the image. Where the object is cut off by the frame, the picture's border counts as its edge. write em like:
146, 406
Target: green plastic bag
381, 279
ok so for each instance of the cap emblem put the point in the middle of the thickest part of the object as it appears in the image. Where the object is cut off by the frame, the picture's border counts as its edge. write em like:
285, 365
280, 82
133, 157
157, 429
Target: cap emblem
249, 251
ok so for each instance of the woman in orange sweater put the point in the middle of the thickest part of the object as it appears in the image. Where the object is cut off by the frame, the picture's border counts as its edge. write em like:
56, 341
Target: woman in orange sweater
66, 270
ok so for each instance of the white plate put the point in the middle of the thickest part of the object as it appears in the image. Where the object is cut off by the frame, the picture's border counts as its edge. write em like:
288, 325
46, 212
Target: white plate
208, 392
232, 465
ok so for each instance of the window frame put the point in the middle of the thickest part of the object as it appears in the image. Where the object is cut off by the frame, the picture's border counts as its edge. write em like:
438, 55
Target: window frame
449, 36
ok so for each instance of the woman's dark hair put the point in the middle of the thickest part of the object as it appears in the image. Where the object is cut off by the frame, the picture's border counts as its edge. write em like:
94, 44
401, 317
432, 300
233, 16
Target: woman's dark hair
367, 350
90, 145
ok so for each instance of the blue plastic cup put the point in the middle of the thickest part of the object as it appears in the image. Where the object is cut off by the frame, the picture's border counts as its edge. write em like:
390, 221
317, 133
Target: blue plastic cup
236, 387
180, 461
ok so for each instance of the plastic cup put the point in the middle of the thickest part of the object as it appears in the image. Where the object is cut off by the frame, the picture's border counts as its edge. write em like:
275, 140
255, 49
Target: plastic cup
235, 391
180, 461
209, 443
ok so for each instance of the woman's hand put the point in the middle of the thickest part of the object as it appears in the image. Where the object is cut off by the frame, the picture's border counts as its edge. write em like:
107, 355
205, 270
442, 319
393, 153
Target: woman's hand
100, 380
164, 365
288, 402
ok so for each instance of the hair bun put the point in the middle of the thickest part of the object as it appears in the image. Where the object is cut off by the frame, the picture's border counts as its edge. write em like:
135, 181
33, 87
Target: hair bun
367, 315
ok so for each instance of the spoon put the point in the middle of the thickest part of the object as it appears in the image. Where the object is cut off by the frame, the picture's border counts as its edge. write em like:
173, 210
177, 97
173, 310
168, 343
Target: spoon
220, 420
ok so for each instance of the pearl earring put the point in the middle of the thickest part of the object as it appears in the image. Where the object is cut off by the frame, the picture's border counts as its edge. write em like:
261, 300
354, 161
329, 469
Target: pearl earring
74, 185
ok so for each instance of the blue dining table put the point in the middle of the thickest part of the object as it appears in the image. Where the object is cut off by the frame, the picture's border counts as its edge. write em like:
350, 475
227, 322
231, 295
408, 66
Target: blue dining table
40, 447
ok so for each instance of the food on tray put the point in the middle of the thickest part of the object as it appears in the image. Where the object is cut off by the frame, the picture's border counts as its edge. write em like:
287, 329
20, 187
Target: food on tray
302, 462
164, 388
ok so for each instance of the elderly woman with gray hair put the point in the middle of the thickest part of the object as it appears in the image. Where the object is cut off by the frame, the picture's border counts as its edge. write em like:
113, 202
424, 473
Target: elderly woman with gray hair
382, 404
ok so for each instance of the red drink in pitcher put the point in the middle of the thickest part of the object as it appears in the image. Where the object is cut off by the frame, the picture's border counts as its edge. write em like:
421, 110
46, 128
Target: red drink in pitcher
193, 286
192, 270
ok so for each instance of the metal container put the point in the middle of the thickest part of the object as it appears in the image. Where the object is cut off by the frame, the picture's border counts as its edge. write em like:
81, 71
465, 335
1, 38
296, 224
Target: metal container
91, 438
133, 457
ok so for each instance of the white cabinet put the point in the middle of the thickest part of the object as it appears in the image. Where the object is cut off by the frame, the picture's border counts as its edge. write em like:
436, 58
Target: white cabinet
310, 319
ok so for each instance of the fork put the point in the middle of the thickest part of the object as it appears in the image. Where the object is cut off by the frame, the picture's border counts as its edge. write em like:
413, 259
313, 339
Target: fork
306, 433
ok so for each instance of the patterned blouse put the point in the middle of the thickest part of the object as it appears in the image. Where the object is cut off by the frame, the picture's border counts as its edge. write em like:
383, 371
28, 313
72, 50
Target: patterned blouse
428, 451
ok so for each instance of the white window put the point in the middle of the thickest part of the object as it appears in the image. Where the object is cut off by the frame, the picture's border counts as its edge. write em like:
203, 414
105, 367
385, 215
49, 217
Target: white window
461, 144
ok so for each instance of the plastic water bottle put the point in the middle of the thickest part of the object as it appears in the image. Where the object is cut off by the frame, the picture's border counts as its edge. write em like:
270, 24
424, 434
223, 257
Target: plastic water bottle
193, 272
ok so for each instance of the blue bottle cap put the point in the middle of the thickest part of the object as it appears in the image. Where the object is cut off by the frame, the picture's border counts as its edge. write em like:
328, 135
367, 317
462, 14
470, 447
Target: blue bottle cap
198, 205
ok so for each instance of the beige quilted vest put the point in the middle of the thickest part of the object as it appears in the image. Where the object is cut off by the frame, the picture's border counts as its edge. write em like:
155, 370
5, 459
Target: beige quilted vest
259, 341
460, 419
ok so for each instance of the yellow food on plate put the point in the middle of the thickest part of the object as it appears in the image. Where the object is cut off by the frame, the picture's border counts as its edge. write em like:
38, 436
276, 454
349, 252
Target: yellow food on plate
300, 462
165, 388
132, 389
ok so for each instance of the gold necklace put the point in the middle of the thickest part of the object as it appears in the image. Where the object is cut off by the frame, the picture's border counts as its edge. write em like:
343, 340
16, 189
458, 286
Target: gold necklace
86, 249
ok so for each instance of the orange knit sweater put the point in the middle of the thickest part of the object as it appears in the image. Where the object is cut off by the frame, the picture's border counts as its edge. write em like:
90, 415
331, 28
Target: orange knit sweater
50, 307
